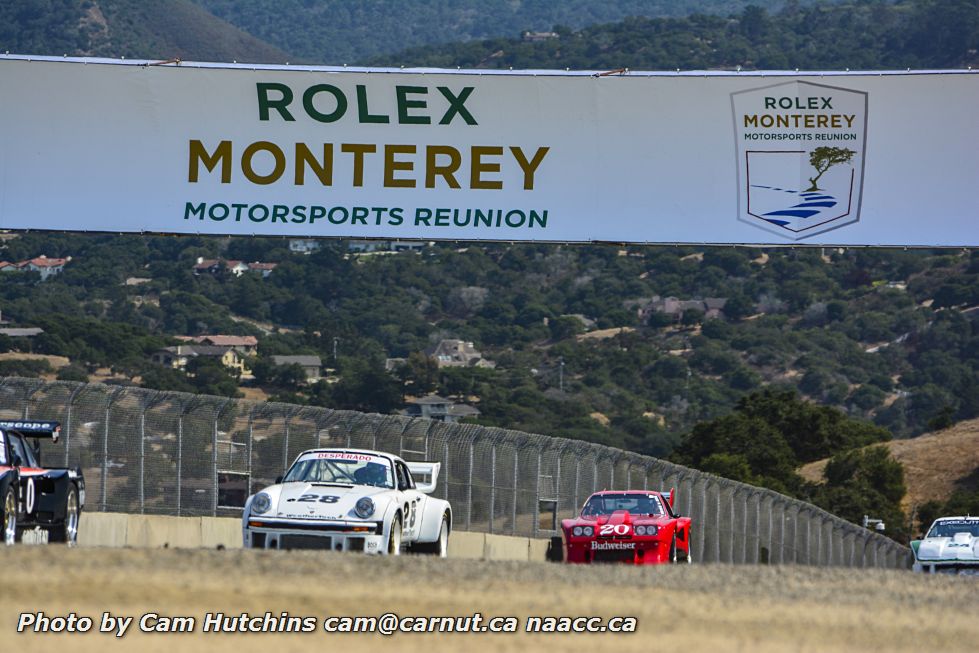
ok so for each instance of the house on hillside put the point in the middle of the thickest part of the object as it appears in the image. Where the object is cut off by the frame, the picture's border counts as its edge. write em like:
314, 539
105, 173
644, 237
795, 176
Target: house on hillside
303, 245
178, 356
457, 353
208, 265
712, 307
264, 269
245, 345
312, 365
439, 409
367, 246
236, 268
537, 37
46, 267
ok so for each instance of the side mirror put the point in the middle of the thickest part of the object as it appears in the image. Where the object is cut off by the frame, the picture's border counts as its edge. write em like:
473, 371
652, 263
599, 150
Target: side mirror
17, 461
278, 479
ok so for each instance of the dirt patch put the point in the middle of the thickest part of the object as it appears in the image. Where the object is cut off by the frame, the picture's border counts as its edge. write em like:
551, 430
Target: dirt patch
710, 608
603, 334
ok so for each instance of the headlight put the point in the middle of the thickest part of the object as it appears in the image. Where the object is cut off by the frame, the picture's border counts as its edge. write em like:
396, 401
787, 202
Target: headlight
588, 531
651, 530
261, 503
364, 507
576, 531
640, 530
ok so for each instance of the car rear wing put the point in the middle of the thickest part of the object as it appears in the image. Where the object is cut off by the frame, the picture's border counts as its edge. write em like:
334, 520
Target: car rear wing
425, 475
669, 495
33, 429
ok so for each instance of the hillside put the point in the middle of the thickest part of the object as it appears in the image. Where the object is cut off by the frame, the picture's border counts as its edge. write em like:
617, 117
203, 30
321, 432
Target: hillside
860, 35
935, 464
127, 28
340, 31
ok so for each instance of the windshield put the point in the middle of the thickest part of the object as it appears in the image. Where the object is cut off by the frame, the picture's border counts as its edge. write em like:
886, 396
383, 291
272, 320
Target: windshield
636, 504
341, 467
949, 527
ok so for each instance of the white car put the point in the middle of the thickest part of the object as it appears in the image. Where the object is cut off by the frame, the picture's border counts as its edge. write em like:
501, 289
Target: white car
951, 546
350, 500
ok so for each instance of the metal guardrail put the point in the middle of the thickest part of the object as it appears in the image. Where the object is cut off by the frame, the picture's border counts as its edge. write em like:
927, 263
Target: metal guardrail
145, 451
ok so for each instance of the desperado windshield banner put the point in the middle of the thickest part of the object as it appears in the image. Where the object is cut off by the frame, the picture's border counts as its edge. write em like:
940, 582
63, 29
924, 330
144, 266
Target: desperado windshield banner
698, 157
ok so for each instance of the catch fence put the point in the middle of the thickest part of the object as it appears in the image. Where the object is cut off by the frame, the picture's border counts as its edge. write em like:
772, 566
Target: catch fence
168, 453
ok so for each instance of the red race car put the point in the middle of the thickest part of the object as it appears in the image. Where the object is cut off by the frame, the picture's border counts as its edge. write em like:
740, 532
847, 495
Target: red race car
636, 526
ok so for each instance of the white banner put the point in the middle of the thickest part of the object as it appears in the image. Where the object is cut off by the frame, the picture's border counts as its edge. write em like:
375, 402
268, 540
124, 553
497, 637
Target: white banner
740, 158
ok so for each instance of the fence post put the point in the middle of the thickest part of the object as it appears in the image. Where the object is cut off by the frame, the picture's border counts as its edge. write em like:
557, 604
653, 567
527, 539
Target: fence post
577, 479
71, 402
492, 510
105, 459
513, 516
180, 458
537, 495
469, 489
142, 461
285, 444
445, 463
248, 450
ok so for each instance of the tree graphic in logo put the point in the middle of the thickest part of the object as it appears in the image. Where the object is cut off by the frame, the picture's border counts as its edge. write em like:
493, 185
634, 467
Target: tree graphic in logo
824, 158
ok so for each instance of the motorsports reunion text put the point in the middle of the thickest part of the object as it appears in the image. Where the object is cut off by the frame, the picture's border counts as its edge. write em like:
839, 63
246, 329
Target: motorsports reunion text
389, 623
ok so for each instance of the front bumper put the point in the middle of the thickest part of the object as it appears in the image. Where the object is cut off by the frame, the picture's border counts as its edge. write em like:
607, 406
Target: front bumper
963, 567
635, 551
366, 537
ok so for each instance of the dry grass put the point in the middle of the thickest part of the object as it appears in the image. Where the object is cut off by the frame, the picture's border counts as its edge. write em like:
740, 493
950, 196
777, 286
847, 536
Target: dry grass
933, 463
709, 608
55, 361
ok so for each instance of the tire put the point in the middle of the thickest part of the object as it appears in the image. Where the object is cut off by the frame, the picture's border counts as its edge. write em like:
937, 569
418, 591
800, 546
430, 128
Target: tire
67, 531
673, 559
440, 547
555, 549
394, 537
9, 517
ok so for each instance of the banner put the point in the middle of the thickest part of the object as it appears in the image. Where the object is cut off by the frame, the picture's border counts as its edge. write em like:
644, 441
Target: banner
774, 158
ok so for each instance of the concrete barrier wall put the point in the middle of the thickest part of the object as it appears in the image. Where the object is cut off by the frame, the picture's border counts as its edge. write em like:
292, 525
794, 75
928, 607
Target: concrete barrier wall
112, 529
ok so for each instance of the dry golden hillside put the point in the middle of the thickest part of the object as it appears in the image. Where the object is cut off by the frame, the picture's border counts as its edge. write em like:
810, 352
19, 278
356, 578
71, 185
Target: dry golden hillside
933, 463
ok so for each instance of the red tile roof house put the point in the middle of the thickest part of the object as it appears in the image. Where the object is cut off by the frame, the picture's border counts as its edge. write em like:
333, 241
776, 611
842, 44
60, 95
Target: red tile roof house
46, 266
265, 269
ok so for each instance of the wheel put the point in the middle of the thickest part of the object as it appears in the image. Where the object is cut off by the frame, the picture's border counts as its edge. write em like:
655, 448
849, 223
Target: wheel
555, 549
68, 531
673, 558
394, 537
440, 547
9, 517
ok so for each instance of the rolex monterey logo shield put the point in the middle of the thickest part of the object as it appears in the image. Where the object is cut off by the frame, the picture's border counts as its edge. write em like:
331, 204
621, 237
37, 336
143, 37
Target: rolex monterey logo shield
800, 149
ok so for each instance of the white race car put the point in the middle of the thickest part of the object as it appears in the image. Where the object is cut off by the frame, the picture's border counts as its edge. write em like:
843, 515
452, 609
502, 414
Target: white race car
350, 500
951, 546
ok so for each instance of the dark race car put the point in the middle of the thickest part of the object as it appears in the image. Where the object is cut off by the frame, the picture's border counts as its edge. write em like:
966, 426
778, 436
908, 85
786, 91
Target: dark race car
37, 504
637, 527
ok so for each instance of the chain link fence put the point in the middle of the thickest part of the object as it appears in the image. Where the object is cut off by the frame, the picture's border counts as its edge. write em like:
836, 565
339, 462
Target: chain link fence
151, 452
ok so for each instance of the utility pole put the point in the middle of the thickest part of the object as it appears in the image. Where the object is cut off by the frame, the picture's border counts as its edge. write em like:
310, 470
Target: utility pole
561, 374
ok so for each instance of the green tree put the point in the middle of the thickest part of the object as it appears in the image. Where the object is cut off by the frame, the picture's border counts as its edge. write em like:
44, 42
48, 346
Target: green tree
824, 158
